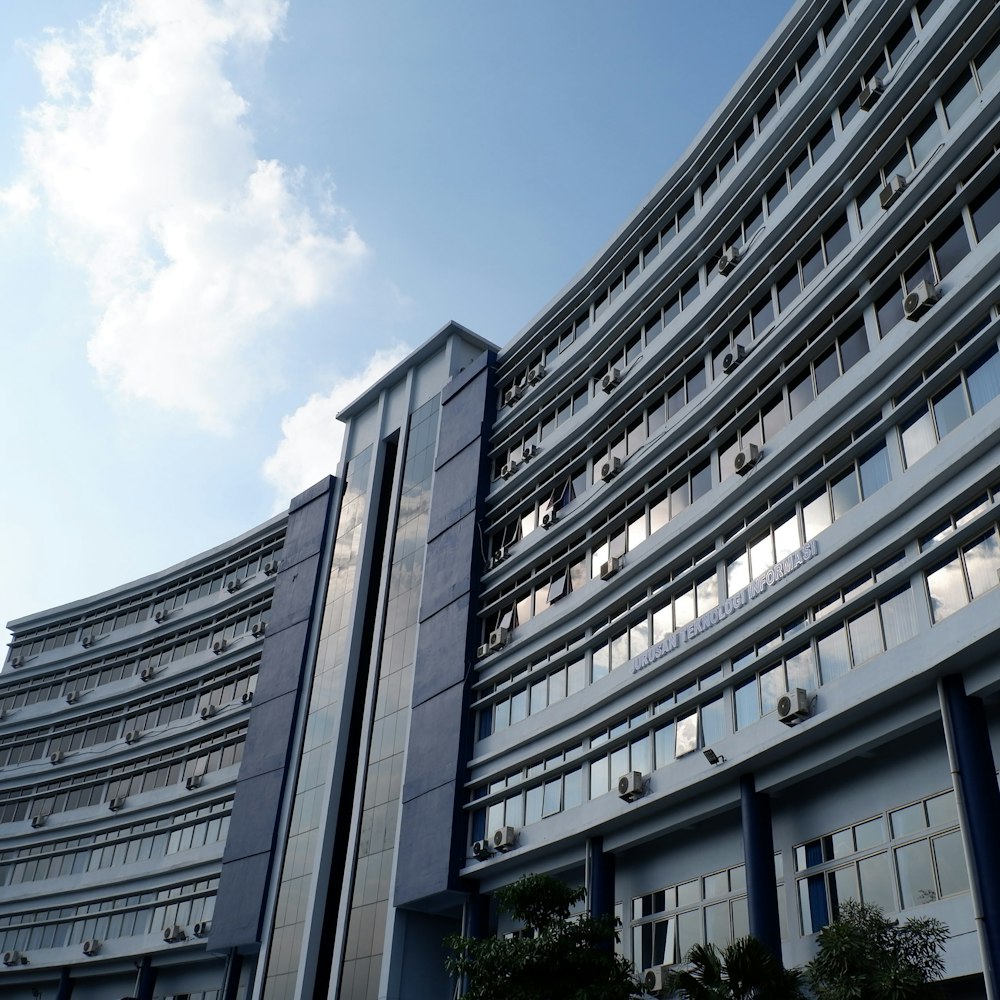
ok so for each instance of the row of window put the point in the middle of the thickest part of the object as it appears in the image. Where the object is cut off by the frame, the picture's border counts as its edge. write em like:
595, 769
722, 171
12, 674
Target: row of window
149, 841
736, 151
235, 625
141, 715
234, 569
138, 775
108, 919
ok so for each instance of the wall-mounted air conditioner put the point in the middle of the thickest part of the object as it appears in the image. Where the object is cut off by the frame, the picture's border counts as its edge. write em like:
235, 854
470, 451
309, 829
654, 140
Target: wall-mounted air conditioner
257, 630
508, 469
91, 946
482, 849
536, 374
37, 822
202, 928
609, 568
549, 518
57, 756
512, 395
271, 567
870, 93
528, 452
87, 641
917, 302
630, 786
746, 459
234, 585
499, 638
72, 697
247, 697
611, 380
219, 646
611, 468
133, 736
160, 615
728, 260
505, 838
192, 781
173, 933
499, 554
892, 191
117, 803
208, 711
14, 958
654, 980
793, 707
147, 674
731, 360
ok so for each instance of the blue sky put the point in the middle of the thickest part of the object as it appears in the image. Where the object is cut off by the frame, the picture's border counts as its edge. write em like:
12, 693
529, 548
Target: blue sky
220, 218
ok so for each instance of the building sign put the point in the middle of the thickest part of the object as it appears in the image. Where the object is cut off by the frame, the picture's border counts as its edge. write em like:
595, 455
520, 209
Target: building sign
729, 607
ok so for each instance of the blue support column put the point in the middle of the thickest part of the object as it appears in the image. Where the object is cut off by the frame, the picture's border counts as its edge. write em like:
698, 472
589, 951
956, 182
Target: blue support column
974, 774
477, 914
65, 990
758, 854
600, 882
145, 980
234, 969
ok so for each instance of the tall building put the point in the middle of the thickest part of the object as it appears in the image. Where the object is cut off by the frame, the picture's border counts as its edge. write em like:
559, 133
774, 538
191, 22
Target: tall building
688, 594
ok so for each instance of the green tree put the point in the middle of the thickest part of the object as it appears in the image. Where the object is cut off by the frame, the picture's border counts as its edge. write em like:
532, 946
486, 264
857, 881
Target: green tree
863, 955
558, 957
743, 970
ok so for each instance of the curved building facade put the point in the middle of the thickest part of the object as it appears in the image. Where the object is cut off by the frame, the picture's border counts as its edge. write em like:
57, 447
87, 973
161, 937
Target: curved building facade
689, 593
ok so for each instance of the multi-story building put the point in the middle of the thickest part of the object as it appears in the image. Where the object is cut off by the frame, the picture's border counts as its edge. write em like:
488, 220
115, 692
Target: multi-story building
688, 594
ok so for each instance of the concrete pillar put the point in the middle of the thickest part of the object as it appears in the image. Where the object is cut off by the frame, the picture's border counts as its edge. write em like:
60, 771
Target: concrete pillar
758, 855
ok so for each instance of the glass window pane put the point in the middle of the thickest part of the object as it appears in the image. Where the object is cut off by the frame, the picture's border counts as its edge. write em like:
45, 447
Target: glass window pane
951, 247
688, 930
986, 211
874, 469
916, 875
833, 657
889, 309
949, 409
959, 96
984, 379
687, 734
717, 930
917, 434
844, 490
713, 722
869, 834
663, 745
843, 885
866, 636
737, 573
747, 704
910, 819
942, 809
899, 617
772, 687
982, 561
950, 861
927, 138
761, 556
876, 882
800, 671
816, 515
786, 537
947, 589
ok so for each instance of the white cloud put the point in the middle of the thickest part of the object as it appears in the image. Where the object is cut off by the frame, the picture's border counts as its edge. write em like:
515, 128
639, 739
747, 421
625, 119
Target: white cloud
194, 245
312, 436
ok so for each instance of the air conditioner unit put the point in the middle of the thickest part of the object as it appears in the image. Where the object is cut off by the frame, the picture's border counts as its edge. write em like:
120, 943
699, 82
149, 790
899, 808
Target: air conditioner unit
746, 459
161, 615
14, 958
728, 260
499, 638
72, 697
271, 567
793, 707
609, 568
87, 641
147, 674
57, 756
233, 586
219, 646
512, 395
892, 190
654, 980
609, 381
528, 452
504, 838
483, 651
117, 803
37, 822
549, 518
499, 554
202, 928
247, 697
917, 302
536, 374
91, 946
257, 630
208, 711
734, 358
482, 849
174, 933
192, 781
611, 468
630, 786
133, 736
870, 93
17, 661
508, 470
